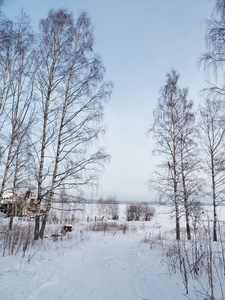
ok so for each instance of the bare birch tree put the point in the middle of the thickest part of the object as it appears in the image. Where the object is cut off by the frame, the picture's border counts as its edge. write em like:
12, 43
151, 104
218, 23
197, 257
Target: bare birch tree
167, 127
212, 135
212, 111
71, 89
50, 56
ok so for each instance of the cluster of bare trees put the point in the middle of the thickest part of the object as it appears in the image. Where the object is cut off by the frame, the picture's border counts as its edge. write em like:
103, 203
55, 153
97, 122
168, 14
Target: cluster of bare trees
141, 211
16, 102
108, 208
192, 144
52, 98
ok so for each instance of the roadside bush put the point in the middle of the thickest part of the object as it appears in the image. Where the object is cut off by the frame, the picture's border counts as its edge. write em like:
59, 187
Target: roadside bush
17, 240
147, 211
108, 226
200, 260
133, 212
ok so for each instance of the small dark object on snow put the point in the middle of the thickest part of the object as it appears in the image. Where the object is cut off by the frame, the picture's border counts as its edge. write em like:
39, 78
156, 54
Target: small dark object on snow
67, 228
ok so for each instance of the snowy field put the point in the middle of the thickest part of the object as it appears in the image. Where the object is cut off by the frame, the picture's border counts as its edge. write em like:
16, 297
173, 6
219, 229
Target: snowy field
126, 261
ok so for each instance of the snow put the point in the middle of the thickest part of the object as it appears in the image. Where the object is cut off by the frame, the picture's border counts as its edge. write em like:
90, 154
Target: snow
96, 265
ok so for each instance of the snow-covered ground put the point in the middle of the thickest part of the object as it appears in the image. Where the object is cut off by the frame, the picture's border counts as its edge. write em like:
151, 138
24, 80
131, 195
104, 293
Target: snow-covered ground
98, 265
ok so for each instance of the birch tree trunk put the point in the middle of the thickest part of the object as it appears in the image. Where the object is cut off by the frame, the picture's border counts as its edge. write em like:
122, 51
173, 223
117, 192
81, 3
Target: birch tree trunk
13, 192
43, 147
186, 205
214, 198
175, 171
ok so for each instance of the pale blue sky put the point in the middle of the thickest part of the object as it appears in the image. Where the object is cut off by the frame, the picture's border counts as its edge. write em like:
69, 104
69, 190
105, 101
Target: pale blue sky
139, 42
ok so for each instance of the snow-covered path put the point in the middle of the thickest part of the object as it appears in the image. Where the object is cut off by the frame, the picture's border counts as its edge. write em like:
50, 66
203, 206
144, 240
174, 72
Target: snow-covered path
103, 267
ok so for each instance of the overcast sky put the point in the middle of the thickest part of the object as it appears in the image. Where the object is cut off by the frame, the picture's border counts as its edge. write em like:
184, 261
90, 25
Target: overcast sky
139, 42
